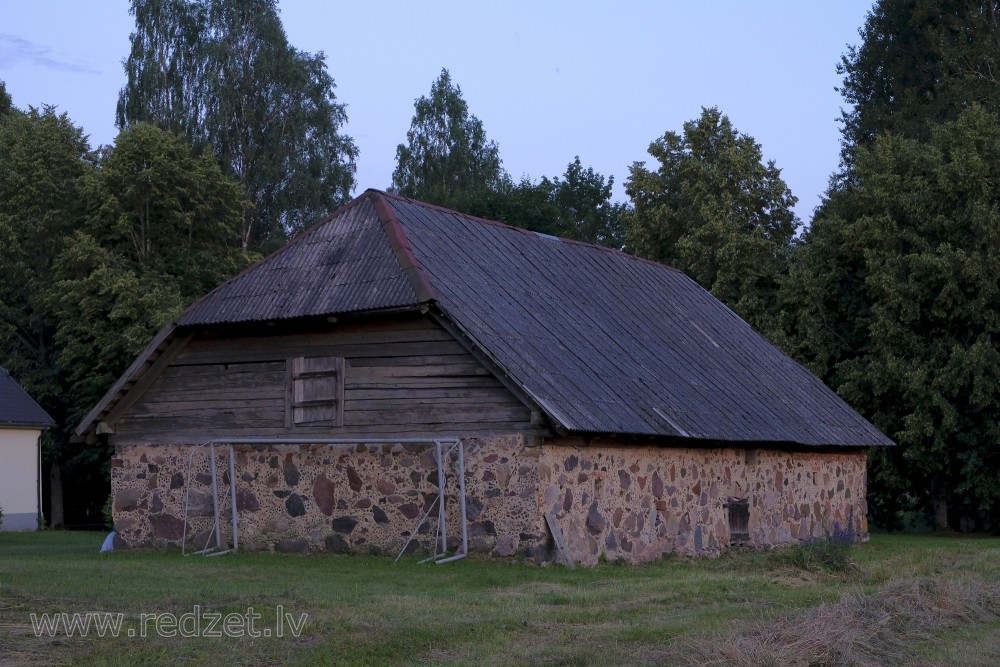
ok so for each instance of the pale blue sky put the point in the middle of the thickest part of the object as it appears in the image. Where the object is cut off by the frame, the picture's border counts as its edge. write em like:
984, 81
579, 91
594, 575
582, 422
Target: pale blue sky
549, 80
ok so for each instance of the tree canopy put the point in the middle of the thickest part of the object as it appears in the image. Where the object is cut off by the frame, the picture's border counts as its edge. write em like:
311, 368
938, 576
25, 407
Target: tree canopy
222, 73
890, 294
714, 209
447, 159
920, 62
99, 252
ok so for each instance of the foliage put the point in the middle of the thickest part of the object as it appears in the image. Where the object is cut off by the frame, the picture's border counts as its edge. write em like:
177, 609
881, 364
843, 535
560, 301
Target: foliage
904, 318
447, 159
162, 229
44, 160
108, 513
99, 252
221, 73
6, 104
577, 206
582, 198
921, 62
715, 210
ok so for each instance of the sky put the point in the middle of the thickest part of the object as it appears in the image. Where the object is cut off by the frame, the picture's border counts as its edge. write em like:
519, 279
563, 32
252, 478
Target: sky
550, 80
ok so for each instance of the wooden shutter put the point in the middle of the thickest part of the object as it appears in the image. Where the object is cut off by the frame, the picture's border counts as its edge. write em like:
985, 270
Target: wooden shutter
739, 521
315, 391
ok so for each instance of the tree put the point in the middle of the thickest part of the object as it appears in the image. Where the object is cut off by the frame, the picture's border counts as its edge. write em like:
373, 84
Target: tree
920, 67
6, 104
716, 211
447, 159
168, 211
577, 206
586, 212
44, 159
921, 332
161, 229
920, 63
222, 73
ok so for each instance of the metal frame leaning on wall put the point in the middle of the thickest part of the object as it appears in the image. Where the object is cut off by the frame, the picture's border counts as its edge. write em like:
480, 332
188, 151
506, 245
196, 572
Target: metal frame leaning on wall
440, 555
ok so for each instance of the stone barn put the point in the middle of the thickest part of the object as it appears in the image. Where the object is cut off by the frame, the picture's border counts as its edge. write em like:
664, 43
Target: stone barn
607, 405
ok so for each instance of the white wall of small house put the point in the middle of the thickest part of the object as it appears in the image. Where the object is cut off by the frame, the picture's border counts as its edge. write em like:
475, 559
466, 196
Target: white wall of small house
19, 478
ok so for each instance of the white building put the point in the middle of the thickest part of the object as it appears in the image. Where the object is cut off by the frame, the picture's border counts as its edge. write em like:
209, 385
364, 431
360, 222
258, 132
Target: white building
21, 424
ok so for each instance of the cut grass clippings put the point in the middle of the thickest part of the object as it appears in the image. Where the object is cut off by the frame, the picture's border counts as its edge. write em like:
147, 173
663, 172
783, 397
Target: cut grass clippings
859, 630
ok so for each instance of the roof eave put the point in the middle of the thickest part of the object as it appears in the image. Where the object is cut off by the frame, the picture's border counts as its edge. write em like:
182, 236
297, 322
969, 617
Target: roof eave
670, 440
9, 425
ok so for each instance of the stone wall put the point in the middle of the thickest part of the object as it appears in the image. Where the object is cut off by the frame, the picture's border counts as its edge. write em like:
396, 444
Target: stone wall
630, 502
365, 498
638, 503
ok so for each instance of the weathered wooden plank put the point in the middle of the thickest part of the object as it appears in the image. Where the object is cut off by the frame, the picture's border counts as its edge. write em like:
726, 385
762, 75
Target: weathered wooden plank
167, 408
557, 537
488, 393
453, 382
470, 414
148, 378
156, 395
437, 370
460, 358
208, 425
222, 379
233, 369
237, 353
442, 403
387, 431
333, 338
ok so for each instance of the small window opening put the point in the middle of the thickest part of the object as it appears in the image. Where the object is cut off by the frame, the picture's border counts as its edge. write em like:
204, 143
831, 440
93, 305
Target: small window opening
739, 521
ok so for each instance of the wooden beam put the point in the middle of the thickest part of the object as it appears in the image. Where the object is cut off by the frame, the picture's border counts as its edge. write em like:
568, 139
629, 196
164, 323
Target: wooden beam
557, 537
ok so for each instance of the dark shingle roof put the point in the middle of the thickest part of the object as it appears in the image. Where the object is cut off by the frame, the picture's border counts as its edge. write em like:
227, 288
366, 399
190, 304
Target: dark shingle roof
600, 341
345, 264
17, 408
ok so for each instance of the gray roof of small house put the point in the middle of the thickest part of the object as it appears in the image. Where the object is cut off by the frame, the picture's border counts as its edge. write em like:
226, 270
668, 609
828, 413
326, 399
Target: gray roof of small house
600, 341
17, 408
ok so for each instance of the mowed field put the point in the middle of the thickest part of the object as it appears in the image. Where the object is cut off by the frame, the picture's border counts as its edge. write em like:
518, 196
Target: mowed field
906, 600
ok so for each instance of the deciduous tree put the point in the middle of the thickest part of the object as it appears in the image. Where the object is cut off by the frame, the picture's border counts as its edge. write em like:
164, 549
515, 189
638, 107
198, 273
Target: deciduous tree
447, 159
222, 73
714, 209
44, 160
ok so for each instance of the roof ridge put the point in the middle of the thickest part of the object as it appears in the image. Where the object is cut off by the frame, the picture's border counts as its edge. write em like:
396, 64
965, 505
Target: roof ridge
497, 223
407, 260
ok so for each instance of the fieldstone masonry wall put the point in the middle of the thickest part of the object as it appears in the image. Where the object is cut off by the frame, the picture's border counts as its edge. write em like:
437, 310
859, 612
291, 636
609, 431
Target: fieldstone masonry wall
628, 502
365, 498
638, 503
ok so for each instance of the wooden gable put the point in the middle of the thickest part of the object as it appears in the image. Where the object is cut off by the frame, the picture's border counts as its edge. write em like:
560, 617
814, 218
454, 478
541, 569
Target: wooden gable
405, 375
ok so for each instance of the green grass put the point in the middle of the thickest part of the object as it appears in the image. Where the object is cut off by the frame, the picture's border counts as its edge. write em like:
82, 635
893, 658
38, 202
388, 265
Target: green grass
369, 611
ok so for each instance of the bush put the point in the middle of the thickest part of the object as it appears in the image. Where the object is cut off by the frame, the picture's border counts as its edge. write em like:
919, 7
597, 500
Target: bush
832, 552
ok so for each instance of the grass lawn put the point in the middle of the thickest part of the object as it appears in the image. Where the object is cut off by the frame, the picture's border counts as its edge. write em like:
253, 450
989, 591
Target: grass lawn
369, 611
